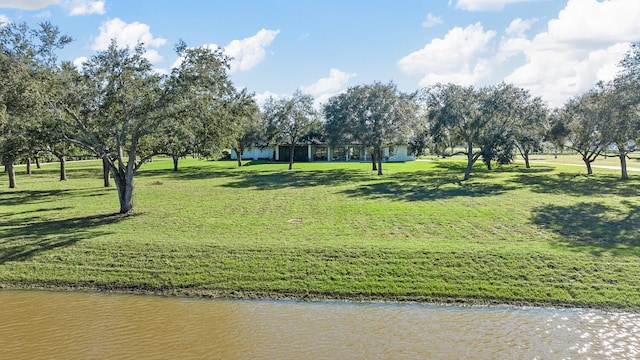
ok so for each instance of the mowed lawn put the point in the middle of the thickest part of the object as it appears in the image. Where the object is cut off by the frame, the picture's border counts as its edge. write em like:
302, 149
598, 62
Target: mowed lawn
542, 236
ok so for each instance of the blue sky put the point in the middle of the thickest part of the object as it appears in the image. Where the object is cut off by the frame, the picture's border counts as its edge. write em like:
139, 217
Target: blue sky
554, 48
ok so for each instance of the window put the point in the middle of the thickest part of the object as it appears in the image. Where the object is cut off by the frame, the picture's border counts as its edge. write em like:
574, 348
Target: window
338, 154
320, 153
354, 153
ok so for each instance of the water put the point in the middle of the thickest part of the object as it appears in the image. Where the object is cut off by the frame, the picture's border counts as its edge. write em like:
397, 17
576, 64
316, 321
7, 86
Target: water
59, 325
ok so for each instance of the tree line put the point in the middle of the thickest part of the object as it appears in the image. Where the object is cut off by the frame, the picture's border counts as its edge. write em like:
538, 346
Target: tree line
119, 109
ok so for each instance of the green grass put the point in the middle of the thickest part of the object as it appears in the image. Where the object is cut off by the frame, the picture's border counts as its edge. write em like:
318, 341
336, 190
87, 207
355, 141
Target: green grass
541, 236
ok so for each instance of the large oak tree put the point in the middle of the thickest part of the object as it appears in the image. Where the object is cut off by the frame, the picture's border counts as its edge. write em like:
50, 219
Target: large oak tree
375, 116
27, 59
120, 108
289, 120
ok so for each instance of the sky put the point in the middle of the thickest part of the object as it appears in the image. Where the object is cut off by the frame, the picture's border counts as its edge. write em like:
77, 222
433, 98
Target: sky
556, 49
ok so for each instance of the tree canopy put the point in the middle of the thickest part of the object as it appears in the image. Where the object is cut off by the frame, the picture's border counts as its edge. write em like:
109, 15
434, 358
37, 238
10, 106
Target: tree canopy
27, 58
371, 115
289, 120
123, 111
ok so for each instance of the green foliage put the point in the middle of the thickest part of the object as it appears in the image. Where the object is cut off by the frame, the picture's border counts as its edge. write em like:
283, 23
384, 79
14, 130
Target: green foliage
247, 123
124, 112
372, 115
585, 117
27, 57
290, 120
198, 93
490, 122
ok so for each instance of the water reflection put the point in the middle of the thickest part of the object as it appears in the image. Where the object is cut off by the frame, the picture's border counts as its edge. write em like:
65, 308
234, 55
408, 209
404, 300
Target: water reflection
78, 325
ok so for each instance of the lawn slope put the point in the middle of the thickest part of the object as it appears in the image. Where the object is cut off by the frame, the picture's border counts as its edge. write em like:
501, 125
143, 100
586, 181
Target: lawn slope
541, 236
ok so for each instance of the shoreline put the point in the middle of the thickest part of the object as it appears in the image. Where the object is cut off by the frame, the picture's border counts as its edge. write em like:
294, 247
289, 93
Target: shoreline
316, 297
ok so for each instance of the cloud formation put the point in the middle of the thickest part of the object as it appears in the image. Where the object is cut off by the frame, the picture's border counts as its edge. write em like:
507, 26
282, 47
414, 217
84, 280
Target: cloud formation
578, 48
484, 5
27, 5
454, 58
432, 21
249, 52
129, 35
84, 7
581, 46
328, 86
75, 7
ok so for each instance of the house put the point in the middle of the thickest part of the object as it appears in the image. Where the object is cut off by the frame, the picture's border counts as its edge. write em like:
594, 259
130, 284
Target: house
324, 152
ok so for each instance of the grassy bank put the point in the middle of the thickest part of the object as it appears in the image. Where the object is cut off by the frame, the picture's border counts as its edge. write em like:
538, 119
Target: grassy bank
543, 236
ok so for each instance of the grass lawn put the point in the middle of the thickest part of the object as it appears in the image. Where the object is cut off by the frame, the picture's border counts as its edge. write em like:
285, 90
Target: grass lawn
542, 236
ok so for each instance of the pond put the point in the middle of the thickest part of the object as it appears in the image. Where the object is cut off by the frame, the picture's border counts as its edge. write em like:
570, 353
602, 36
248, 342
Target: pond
41, 324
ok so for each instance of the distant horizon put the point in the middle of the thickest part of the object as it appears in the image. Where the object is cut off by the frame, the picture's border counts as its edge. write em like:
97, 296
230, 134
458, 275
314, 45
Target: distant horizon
556, 49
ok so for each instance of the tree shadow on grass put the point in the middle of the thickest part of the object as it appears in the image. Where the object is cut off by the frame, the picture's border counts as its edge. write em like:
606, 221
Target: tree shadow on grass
592, 226
25, 237
426, 185
188, 173
270, 180
22, 197
578, 185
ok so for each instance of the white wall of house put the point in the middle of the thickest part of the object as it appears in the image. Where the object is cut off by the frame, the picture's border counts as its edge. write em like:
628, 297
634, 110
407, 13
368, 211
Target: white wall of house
255, 153
400, 153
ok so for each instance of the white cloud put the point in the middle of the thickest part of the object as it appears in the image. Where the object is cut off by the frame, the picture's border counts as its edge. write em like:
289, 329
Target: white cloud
518, 27
84, 7
4, 20
27, 5
321, 90
452, 58
580, 47
249, 52
326, 87
129, 35
78, 62
75, 7
431, 21
263, 97
485, 5
335, 82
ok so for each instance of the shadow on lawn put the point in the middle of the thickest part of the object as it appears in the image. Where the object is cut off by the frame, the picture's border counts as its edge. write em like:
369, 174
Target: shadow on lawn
22, 197
189, 173
24, 237
442, 181
426, 185
270, 180
593, 226
578, 185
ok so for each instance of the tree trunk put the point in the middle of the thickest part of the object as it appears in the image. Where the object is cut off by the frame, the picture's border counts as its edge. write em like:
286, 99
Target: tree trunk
374, 165
124, 185
63, 168
175, 163
37, 158
526, 159
239, 156
12, 175
105, 172
588, 163
28, 166
291, 155
623, 165
470, 161
489, 167
379, 156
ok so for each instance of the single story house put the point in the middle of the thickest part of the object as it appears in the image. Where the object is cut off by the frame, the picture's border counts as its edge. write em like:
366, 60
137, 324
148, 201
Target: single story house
324, 152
